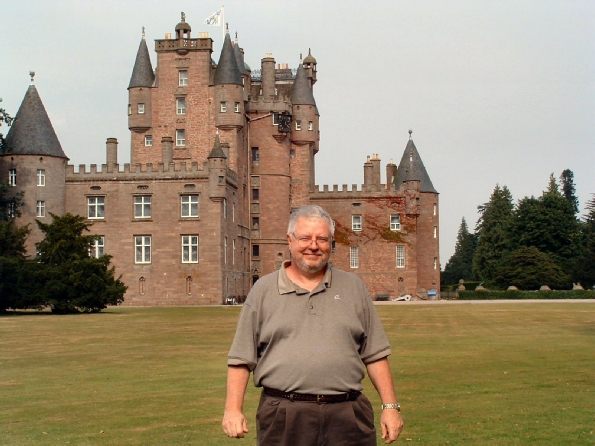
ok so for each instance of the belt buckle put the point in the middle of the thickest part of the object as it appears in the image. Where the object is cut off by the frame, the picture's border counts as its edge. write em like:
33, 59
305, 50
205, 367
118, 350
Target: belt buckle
319, 399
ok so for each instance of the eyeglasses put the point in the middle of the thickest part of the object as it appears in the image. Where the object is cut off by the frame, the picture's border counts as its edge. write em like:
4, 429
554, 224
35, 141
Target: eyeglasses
304, 242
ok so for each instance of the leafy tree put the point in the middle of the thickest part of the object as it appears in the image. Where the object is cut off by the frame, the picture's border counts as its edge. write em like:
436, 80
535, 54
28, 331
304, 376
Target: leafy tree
528, 268
585, 265
460, 265
7, 119
72, 280
568, 189
491, 231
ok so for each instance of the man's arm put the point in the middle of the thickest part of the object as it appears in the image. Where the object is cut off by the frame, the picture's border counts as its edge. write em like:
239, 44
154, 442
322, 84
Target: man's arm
234, 422
390, 419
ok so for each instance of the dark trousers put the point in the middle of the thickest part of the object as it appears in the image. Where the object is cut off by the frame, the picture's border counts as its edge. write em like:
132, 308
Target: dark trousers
295, 423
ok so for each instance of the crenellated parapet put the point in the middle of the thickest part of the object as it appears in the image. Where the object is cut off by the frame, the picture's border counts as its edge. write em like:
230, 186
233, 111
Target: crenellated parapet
173, 170
359, 192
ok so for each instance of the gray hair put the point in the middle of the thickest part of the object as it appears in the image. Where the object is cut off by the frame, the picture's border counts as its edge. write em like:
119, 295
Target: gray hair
310, 211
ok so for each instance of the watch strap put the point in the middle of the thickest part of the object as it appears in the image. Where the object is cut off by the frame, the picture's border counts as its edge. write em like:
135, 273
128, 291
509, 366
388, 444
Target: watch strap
392, 406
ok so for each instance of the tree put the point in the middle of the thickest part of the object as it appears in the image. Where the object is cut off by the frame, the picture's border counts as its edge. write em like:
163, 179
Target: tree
491, 231
585, 265
568, 189
527, 268
460, 265
547, 223
6, 119
72, 280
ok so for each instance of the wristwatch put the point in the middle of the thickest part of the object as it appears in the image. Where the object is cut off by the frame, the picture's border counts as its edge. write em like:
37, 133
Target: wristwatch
392, 406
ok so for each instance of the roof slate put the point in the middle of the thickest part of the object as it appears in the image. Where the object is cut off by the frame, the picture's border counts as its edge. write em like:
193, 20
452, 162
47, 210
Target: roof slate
301, 93
32, 132
142, 73
227, 68
412, 167
217, 151
239, 59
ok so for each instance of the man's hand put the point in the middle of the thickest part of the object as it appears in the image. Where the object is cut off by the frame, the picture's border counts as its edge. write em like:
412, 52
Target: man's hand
234, 424
392, 424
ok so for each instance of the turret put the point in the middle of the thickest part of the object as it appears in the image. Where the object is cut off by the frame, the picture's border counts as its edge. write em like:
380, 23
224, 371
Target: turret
139, 90
304, 110
412, 167
239, 54
229, 100
217, 164
310, 67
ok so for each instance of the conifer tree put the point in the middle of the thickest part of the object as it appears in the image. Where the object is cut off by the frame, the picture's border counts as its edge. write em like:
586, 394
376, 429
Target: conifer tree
491, 231
585, 271
460, 265
568, 189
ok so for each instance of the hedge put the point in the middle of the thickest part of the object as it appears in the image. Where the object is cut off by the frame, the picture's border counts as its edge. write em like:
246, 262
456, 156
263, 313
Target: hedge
545, 295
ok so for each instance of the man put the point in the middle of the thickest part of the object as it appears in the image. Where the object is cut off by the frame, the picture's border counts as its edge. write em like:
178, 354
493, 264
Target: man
307, 332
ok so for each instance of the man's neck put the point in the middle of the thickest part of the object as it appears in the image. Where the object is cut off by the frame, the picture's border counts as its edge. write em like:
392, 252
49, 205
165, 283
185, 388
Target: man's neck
306, 280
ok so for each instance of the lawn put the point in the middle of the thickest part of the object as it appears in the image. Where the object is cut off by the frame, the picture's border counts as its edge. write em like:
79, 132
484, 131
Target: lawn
498, 373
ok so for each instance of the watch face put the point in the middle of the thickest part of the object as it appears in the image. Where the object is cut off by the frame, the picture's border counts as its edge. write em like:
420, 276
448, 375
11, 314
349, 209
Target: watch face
285, 123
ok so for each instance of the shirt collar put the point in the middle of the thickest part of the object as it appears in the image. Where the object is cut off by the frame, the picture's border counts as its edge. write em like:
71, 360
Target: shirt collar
286, 286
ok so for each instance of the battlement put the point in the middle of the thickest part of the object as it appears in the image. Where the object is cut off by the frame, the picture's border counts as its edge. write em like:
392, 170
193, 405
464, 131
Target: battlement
359, 192
177, 170
184, 44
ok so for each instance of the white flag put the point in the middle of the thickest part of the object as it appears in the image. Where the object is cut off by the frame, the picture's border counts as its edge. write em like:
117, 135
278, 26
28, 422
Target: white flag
214, 19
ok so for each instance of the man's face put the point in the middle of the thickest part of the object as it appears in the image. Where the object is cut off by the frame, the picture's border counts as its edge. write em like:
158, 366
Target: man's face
310, 244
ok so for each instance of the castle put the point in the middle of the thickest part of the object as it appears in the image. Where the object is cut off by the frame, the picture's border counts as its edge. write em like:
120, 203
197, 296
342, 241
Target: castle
220, 155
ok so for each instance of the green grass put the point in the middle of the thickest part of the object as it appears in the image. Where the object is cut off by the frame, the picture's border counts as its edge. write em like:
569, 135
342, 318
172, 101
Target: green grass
521, 373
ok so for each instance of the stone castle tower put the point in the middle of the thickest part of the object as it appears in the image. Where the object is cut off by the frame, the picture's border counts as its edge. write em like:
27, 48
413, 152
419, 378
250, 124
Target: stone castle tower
220, 155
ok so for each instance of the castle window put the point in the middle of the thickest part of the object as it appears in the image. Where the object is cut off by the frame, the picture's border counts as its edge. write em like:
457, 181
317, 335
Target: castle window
275, 118
298, 124
310, 125
255, 154
223, 107
96, 248
225, 250
189, 205
233, 252
41, 177
190, 249
255, 223
181, 106
356, 222
188, 285
224, 208
435, 208
395, 222
95, 207
236, 107
41, 208
148, 140
142, 206
354, 257
141, 108
141, 285
12, 177
435, 231
255, 194
435, 262
12, 209
400, 256
142, 245
233, 212
129, 109
183, 78
255, 250
180, 138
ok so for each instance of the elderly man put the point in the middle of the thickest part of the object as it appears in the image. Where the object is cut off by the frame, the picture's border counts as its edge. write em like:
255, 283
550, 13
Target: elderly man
308, 332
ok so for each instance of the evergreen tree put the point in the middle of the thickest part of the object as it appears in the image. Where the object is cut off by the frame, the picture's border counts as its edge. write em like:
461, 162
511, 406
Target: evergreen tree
460, 265
585, 270
491, 231
72, 280
568, 189
547, 223
527, 268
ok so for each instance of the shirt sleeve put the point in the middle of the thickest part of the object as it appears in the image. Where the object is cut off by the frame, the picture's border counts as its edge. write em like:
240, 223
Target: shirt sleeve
375, 345
243, 349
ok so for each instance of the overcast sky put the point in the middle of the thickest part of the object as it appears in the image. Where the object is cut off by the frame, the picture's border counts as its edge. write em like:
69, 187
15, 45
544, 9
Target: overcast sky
494, 91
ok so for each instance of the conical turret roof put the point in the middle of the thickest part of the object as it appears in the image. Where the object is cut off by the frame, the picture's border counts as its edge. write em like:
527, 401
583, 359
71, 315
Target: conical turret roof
301, 93
227, 68
142, 73
239, 59
217, 151
32, 132
412, 168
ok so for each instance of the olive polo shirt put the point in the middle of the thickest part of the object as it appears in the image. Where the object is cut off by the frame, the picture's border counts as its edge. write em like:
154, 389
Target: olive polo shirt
309, 342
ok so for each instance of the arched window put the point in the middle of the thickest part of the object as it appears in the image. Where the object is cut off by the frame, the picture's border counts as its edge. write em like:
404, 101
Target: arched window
142, 286
189, 285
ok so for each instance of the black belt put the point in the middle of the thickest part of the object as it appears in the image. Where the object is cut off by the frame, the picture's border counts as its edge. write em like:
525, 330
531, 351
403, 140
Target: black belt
340, 398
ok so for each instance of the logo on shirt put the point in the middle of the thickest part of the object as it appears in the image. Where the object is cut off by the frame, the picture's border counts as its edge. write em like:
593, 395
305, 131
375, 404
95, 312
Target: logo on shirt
337, 297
